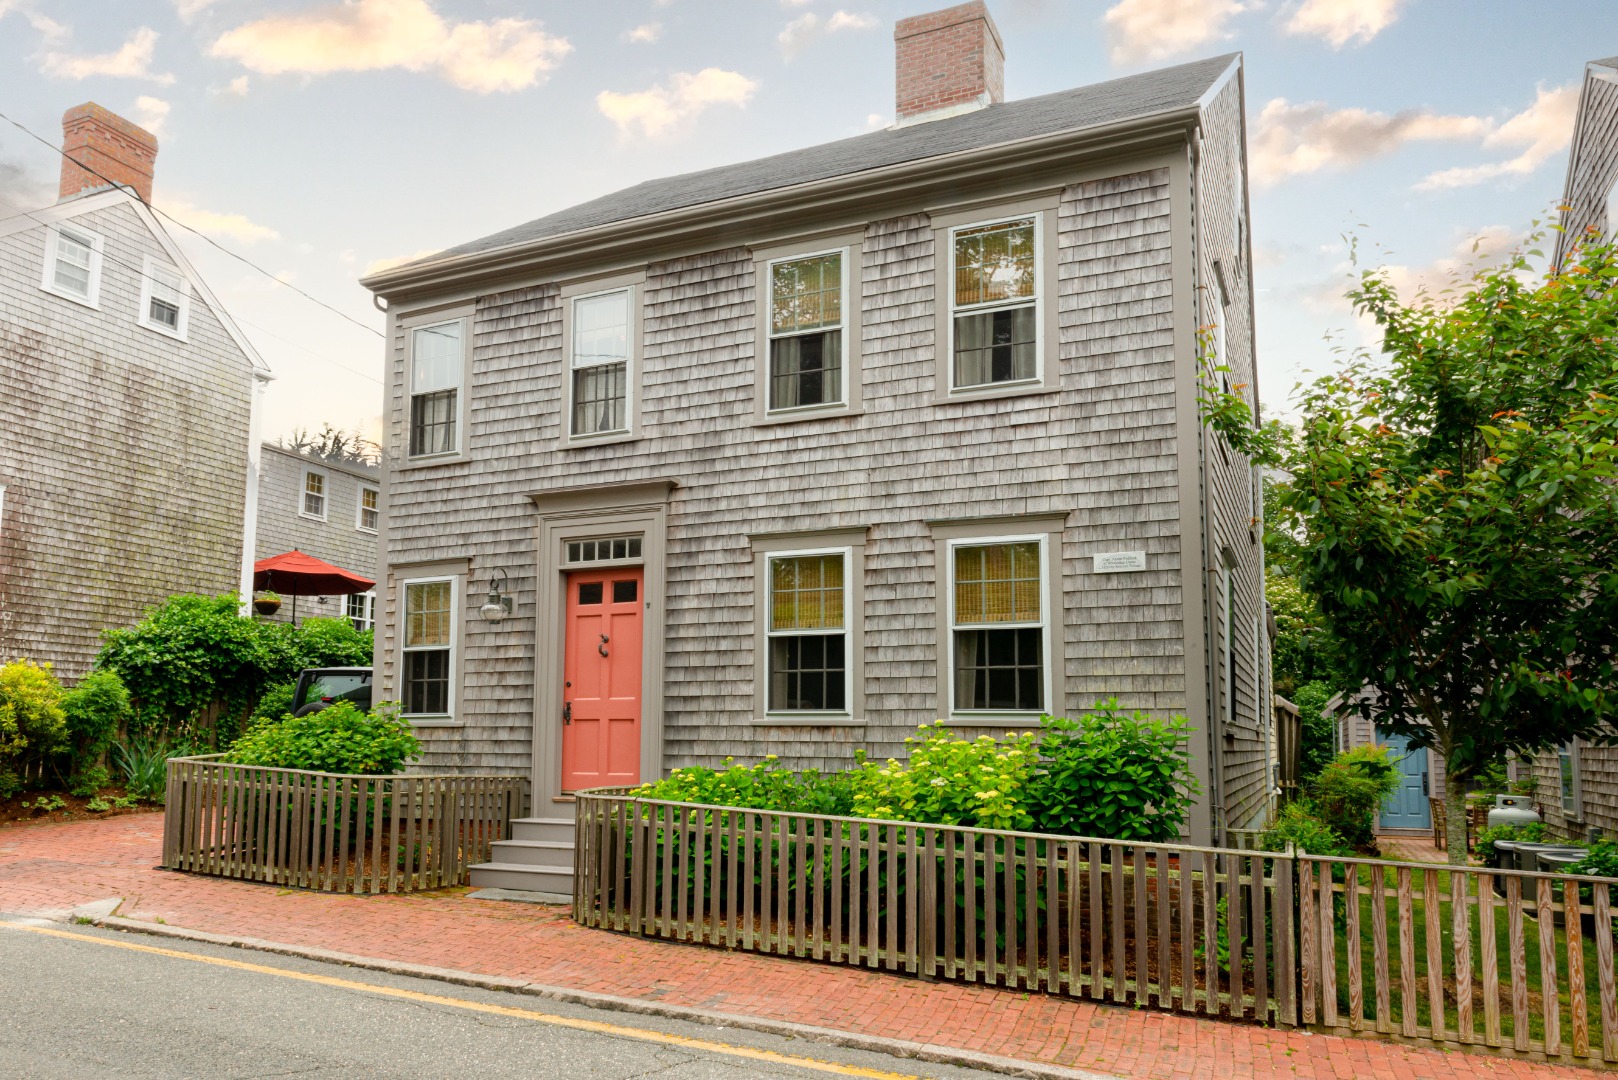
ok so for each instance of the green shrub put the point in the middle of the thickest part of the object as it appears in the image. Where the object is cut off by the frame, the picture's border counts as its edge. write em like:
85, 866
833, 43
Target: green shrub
95, 711
141, 763
1350, 791
338, 739
765, 786
1602, 860
32, 726
1111, 774
1299, 823
1319, 736
948, 780
1533, 832
275, 704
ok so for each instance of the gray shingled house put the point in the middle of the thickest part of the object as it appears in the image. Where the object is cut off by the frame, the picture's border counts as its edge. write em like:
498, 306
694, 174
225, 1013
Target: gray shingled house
329, 509
795, 455
128, 409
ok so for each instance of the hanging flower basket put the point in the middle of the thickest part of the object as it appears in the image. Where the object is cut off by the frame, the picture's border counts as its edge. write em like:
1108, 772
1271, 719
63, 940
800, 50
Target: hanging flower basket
266, 603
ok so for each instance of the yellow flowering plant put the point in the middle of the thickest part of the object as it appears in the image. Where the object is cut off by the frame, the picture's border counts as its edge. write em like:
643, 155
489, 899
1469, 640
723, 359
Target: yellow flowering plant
948, 780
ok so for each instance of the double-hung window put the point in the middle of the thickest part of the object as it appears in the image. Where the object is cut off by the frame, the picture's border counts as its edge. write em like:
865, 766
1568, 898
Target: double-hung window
313, 502
999, 637
165, 299
994, 303
370, 509
427, 677
437, 365
808, 632
362, 609
601, 359
807, 337
73, 264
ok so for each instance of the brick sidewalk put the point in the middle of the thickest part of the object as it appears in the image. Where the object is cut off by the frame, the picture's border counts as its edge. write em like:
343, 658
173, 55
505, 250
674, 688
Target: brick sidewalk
48, 869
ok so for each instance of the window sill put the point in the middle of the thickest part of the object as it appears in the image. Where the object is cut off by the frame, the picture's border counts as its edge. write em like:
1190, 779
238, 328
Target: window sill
428, 460
433, 722
989, 393
995, 719
363, 529
584, 442
312, 517
807, 720
91, 302
798, 416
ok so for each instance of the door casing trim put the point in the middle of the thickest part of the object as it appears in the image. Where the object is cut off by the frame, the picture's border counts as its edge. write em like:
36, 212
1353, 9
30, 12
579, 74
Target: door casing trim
586, 514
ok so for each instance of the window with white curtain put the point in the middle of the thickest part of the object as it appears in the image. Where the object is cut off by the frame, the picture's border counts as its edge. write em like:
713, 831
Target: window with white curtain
601, 361
807, 338
437, 364
994, 301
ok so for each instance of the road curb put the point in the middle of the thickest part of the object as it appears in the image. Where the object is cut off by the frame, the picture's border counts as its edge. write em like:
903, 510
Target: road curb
900, 1048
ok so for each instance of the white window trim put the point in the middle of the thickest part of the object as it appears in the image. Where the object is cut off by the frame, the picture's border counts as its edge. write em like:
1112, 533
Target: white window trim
325, 493
446, 718
183, 322
370, 609
951, 310
359, 508
811, 716
1047, 690
842, 404
409, 326
631, 428
48, 278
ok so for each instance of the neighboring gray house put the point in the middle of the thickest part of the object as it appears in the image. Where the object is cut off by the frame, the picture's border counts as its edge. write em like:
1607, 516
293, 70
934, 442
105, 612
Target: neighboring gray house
331, 510
793, 456
1590, 193
128, 408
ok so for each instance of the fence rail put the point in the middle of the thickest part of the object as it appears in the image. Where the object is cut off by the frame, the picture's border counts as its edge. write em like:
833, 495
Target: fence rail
332, 832
1515, 961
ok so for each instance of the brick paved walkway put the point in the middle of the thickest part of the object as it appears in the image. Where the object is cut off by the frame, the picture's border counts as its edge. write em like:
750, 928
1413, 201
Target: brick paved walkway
46, 869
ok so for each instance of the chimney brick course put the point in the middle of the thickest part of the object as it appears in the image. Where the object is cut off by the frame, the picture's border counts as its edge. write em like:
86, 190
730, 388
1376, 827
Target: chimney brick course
99, 139
948, 59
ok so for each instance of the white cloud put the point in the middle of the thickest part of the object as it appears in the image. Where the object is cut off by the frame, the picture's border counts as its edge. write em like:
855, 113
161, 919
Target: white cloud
132, 60
1486, 247
236, 227
50, 31
1294, 140
151, 113
875, 120
376, 266
190, 9
371, 35
1342, 21
809, 27
1153, 29
1542, 130
659, 110
645, 33
237, 87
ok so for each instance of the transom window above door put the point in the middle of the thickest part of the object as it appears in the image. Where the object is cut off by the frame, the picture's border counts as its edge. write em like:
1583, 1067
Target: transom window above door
994, 303
604, 549
997, 626
807, 633
807, 354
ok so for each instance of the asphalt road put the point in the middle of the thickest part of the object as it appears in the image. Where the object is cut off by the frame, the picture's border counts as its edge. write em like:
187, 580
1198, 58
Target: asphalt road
78, 1002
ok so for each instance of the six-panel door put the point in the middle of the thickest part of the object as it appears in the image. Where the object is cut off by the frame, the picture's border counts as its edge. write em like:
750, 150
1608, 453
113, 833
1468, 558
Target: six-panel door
602, 679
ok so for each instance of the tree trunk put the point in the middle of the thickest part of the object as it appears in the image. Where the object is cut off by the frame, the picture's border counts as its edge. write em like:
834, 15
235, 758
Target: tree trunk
1455, 816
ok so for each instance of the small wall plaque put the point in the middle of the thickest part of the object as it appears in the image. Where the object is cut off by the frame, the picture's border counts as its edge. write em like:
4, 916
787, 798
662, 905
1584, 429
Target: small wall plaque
1120, 562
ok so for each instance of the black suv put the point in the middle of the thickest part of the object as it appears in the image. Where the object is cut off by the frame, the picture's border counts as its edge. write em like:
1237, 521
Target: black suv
320, 687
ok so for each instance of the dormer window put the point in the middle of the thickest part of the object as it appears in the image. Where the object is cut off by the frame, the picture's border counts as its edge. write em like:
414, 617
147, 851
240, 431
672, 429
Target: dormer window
73, 265
165, 299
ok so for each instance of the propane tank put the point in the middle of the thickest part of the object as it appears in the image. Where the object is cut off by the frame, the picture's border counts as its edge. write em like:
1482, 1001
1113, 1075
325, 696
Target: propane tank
1512, 810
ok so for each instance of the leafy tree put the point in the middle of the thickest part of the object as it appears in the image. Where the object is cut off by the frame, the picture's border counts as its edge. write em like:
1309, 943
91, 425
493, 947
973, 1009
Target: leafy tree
332, 444
1457, 508
1319, 742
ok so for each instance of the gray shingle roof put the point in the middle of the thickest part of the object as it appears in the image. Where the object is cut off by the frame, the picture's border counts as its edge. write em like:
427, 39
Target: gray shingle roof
1133, 97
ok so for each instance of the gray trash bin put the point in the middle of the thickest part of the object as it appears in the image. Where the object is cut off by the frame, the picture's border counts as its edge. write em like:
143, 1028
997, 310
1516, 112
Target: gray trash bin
1544, 859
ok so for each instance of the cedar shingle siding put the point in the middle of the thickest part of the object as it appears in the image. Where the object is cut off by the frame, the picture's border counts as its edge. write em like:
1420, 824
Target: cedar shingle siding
1114, 447
337, 540
123, 452
1593, 159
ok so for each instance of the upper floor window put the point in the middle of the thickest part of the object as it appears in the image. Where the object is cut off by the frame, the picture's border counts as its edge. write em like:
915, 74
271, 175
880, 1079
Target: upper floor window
165, 299
370, 509
994, 303
437, 365
602, 358
73, 264
314, 494
806, 333
998, 633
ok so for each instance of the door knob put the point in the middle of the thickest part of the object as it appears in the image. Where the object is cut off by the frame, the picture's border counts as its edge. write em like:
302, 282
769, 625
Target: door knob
567, 712
602, 648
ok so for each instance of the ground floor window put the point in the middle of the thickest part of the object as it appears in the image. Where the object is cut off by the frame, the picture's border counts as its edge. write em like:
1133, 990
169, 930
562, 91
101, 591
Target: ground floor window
429, 647
997, 625
362, 610
808, 632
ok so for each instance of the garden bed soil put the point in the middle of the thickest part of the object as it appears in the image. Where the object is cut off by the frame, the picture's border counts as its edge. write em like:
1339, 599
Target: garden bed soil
73, 808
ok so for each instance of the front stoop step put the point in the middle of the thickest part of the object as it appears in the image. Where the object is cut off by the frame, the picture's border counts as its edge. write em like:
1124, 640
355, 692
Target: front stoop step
538, 858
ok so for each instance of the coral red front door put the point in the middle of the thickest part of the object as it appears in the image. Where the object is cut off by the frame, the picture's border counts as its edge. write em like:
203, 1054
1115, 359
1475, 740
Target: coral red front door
601, 679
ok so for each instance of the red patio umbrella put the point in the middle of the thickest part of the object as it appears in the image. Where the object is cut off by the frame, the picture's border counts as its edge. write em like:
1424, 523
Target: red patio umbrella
297, 574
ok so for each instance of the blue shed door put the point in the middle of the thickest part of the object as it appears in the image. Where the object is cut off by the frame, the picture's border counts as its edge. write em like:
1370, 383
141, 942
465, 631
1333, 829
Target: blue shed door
1407, 807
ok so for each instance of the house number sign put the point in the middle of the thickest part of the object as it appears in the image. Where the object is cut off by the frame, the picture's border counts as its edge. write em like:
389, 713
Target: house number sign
1120, 562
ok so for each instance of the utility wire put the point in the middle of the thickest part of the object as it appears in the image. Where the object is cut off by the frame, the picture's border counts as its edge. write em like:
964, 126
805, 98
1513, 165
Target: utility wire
140, 272
208, 239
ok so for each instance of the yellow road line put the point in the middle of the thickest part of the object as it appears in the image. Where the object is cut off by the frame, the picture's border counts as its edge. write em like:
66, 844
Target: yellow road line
600, 1028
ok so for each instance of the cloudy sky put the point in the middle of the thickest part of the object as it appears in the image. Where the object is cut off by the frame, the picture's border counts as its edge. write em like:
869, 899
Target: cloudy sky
319, 138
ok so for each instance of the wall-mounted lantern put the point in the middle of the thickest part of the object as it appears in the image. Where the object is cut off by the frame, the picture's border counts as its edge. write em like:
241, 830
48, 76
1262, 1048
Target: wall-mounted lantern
498, 605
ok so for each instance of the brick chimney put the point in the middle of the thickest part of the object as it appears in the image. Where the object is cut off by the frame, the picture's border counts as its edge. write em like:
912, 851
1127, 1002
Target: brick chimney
948, 62
98, 139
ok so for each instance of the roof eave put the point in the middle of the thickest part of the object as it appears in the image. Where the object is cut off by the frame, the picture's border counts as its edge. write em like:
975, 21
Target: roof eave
759, 209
